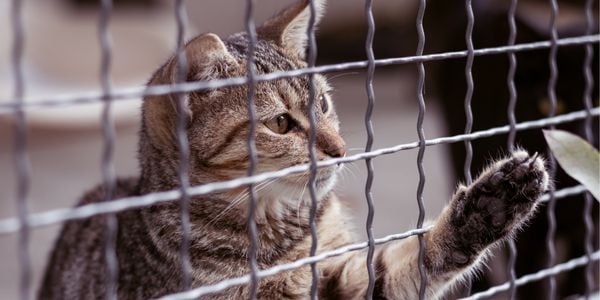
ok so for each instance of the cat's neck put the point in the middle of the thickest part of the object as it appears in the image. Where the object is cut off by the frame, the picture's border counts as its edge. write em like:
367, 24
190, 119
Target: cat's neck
158, 167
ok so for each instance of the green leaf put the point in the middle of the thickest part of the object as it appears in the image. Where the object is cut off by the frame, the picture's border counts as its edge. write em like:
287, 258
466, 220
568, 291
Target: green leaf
578, 158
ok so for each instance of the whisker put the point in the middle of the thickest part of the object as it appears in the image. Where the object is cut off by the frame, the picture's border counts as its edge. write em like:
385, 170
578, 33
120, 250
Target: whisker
342, 75
241, 197
352, 170
355, 149
300, 202
233, 203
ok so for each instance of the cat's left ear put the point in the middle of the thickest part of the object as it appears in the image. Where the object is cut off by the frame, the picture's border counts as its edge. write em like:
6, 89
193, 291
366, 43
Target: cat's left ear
207, 58
288, 28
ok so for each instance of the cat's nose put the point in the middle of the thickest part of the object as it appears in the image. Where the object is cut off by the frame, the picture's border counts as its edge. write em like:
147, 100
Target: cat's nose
336, 152
332, 145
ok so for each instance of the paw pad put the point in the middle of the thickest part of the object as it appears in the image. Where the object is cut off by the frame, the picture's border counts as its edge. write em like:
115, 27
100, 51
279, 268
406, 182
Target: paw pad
498, 201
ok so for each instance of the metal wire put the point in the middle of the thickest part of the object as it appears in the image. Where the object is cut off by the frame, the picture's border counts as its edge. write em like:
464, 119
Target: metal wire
587, 102
470, 86
251, 144
369, 145
108, 133
24, 221
587, 71
20, 148
566, 192
182, 144
468, 111
549, 272
9, 225
422, 146
510, 79
512, 120
312, 137
551, 233
138, 92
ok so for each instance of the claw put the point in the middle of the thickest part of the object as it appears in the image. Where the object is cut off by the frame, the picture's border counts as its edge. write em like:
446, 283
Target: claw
460, 257
533, 159
523, 160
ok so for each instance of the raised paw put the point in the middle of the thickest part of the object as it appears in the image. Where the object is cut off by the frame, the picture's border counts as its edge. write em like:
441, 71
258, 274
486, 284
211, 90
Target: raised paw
496, 204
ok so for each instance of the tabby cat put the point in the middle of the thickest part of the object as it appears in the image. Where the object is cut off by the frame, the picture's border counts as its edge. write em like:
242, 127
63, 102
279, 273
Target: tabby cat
148, 242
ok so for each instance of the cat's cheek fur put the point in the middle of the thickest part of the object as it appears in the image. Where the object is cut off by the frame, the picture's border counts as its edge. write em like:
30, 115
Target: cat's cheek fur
325, 186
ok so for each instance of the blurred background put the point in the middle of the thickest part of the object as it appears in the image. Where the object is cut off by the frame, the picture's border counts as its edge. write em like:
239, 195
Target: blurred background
62, 57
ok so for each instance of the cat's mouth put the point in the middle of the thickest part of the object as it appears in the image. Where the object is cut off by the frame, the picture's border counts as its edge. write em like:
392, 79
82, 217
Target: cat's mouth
319, 181
325, 178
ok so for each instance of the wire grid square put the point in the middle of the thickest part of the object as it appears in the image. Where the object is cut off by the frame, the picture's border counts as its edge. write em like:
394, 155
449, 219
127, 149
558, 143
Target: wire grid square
25, 221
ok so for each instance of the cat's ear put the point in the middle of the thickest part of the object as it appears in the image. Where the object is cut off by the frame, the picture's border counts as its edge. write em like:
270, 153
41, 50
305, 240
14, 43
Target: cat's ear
288, 28
207, 58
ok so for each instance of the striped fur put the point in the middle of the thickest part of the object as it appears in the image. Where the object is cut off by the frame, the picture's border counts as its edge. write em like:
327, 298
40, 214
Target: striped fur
148, 242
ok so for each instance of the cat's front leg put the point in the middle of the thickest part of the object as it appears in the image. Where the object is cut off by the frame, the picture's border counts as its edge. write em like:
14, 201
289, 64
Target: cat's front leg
489, 210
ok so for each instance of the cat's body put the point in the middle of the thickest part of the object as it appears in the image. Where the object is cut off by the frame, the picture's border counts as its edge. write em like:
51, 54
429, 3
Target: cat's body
148, 240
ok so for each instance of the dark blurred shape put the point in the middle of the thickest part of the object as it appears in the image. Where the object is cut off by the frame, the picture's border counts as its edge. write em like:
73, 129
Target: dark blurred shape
445, 25
489, 104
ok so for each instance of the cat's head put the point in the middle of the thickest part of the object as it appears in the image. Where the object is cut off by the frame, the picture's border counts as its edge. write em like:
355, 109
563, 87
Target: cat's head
217, 120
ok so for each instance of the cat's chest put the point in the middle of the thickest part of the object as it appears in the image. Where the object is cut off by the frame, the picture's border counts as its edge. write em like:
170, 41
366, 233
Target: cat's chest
332, 233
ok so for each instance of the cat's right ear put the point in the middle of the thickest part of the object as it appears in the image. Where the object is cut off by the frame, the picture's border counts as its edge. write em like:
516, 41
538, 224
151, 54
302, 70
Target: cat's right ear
207, 58
288, 29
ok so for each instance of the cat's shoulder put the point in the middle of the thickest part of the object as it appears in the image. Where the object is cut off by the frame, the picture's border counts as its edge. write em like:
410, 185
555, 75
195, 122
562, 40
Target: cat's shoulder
124, 187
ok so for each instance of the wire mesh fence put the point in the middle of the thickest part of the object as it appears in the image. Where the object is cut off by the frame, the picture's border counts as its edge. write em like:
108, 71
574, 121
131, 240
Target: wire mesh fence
24, 222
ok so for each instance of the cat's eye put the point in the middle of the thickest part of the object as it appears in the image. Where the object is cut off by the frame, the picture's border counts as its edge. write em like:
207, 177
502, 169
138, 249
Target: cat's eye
281, 124
324, 103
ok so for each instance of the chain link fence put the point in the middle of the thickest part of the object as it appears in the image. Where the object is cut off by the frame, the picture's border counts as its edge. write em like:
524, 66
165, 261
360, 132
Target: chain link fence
24, 222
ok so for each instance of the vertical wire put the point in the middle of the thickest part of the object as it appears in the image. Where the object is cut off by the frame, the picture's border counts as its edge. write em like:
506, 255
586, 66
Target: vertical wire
550, 236
587, 102
468, 98
469, 94
251, 74
422, 145
512, 134
312, 58
184, 151
21, 160
108, 131
512, 90
369, 146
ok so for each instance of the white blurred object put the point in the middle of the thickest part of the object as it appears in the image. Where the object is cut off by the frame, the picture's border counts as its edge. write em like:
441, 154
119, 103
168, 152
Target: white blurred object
62, 56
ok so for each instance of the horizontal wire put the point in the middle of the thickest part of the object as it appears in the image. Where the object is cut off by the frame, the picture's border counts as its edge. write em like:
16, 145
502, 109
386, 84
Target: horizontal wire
10, 225
566, 192
222, 285
142, 91
556, 269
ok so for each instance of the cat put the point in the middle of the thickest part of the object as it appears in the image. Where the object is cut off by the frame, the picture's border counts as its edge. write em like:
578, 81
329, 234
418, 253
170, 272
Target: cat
479, 216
